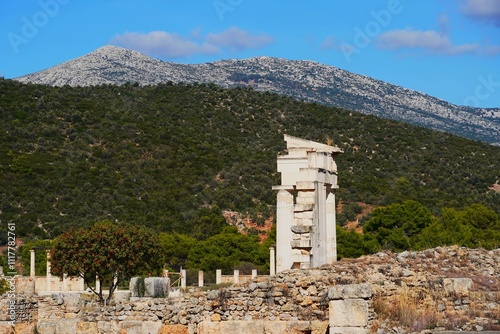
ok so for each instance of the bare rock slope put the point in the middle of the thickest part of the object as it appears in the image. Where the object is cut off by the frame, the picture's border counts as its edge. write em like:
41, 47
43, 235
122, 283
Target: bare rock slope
306, 80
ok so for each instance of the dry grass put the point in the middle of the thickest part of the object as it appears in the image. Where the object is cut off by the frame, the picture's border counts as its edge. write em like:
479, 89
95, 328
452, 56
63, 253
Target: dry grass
407, 308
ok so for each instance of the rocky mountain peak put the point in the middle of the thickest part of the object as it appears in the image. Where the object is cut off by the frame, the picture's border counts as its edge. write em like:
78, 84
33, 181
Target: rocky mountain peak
301, 79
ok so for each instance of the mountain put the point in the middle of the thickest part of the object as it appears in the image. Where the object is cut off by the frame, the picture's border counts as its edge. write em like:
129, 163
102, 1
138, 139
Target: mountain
303, 80
173, 157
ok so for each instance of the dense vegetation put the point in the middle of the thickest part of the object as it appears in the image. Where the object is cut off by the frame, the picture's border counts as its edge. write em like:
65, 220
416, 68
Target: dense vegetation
411, 226
172, 157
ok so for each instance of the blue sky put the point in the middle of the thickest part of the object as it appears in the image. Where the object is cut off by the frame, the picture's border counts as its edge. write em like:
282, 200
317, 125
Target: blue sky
446, 48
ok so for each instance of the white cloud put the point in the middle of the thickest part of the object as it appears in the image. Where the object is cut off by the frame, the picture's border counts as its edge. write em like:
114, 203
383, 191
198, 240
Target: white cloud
237, 39
483, 10
430, 41
170, 45
163, 44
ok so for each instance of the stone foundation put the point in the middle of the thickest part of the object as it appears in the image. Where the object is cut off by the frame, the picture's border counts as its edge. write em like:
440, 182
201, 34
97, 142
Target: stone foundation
335, 298
285, 305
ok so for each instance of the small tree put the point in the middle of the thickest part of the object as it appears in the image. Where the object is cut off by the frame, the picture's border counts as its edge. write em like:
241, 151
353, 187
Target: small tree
111, 251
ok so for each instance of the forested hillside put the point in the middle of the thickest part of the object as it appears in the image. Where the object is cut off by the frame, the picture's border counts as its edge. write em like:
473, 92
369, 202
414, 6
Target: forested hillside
171, 157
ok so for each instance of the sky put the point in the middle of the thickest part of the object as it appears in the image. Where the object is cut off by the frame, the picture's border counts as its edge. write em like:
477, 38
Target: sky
449, 49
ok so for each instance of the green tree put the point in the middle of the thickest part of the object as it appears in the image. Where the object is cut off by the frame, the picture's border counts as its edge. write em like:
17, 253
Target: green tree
176, 248
41, 247
208, 225
351, 244
20, 163
396, 224
479, 216
475, 226
111, 251
224, 251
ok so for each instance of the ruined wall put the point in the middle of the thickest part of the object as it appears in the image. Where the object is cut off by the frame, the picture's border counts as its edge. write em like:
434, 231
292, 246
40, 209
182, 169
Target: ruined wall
365, 295
287, 304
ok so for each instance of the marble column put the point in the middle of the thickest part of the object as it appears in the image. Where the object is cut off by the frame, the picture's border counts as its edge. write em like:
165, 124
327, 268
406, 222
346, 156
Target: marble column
200, 278
183, 279
48, 276
284, 222
331, 229
32, 263
254, 273
236, 276
272, 262
218, 276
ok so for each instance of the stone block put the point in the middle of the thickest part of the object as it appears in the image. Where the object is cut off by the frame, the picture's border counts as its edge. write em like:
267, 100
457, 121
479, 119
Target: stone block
4, 309
303, 215
25, 285
173, 329
66, 326
305, 197
46, 327
300, 243
301, 257
121, 296
131, 327
305, 185
350, 291
348, 330
319, 327
237, 326
312, 175
25, 328
136, 287
250, 327
301, 229
319, 160
108, 327
457, 286
349, 313
6, 328
85, 327
153, 287
303, 207
275, 327
150, 327
72, 300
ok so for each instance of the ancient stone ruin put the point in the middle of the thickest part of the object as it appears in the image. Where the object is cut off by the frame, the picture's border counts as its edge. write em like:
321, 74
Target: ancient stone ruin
305, 205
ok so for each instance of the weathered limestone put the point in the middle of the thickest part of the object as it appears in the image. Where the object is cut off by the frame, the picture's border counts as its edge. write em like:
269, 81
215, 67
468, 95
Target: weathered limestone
183, 278
284, 219
32, 263
457, 286
293, 301
25, 285
149, 286
218, 276
48, 285
263, 327
349, 308
272, 261
305, 206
